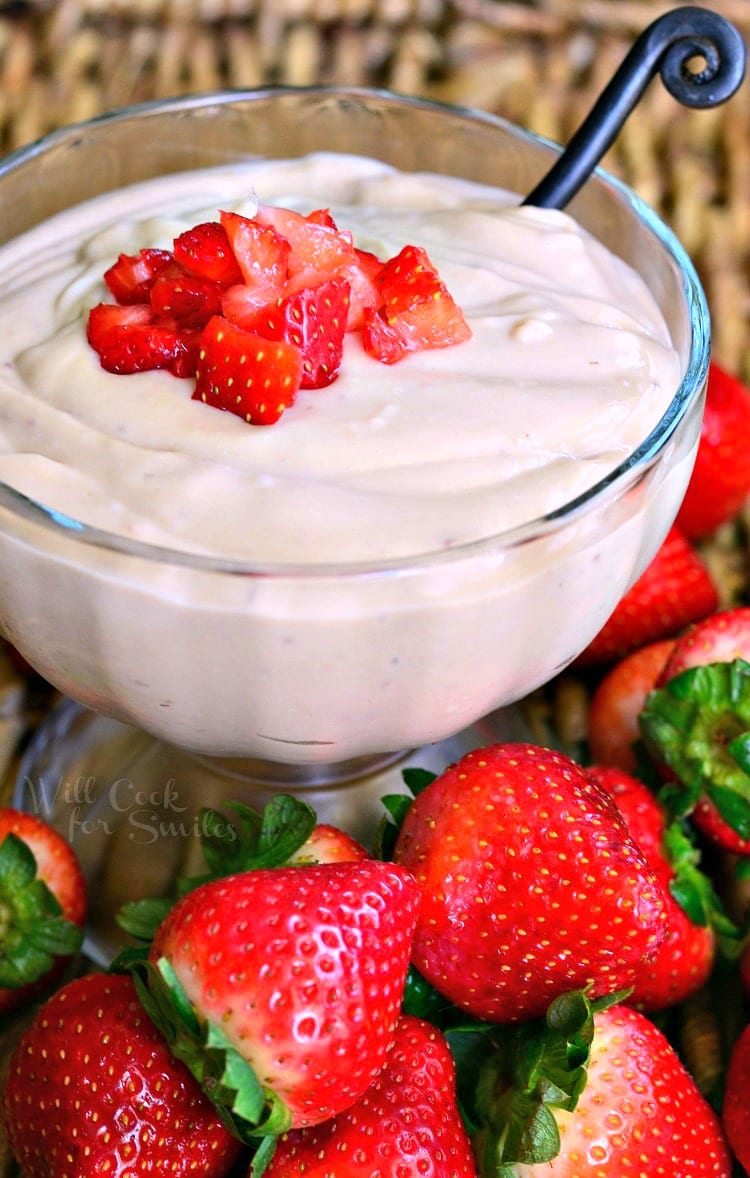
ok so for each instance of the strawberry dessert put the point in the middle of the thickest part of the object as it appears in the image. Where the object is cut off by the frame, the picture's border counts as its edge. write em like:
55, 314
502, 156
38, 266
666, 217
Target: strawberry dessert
316, 372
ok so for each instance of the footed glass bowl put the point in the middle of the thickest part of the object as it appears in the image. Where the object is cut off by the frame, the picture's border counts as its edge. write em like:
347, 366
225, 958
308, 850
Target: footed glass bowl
325, 664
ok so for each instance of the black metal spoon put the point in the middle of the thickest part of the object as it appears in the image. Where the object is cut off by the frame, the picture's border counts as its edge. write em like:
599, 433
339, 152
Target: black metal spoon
669, 45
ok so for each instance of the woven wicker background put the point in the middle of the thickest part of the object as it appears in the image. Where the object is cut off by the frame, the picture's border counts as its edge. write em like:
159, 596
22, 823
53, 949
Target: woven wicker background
539, 63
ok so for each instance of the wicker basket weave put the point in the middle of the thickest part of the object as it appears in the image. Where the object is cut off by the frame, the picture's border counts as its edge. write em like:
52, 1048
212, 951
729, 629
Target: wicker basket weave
540, 64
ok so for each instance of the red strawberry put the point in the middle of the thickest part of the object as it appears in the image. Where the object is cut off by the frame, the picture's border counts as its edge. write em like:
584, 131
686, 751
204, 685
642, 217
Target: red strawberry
415, 310
735, 1111
617, 701
674, 590
721, 638
205, 251
720, 482
321, 217
406, 1125
132, 339
363, 292
183, 297
316, 251
697, 726
93, 1089
294, 978
531, 884
328, 844
262, 255
131, 277
247, 374
639, 1113
42, 903
314, 320
718, 830
684, 960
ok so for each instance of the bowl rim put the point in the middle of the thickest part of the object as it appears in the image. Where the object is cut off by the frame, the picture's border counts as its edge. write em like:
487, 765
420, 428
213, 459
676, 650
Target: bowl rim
634, 466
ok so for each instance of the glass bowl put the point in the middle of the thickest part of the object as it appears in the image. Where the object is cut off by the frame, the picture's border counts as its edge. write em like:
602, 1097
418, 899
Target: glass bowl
304, 665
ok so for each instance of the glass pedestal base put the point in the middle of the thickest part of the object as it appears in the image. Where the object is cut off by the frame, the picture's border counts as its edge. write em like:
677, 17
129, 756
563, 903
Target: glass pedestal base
130, 804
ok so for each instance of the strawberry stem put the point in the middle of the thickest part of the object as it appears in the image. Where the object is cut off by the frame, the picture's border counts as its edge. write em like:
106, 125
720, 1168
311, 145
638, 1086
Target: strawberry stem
246, 1108
33, 931
511, 1077
698, 725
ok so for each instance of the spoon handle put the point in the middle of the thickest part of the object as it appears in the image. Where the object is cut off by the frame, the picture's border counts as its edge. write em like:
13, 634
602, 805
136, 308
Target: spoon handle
669, 45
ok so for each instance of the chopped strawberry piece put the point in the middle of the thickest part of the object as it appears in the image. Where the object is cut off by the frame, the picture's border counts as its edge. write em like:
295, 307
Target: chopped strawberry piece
321, 217
131, 277
245, 373
261, 253
131, 339
415, 310
205, 251
361, 276
242, 304
317, 251
185, 297
315, 322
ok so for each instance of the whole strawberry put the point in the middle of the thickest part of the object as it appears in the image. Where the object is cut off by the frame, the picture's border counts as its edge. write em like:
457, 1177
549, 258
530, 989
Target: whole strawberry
532, 884
684, 960
735, 1111
617, 701
92, 1089
720, 482
281, 987
406, 1125
632, 1108
696, 726
42, 904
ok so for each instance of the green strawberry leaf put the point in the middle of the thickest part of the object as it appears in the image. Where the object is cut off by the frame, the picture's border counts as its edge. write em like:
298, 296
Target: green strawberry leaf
694, 891
397, 807
416, 779
141, 918
698, 725
522, 1073
262, 1156
17, 865
247, 1108
33, 932
253, 840
733, 807
422, 999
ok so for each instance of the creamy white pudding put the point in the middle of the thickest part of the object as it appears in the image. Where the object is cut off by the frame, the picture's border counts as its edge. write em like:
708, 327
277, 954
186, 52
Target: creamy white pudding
569, 367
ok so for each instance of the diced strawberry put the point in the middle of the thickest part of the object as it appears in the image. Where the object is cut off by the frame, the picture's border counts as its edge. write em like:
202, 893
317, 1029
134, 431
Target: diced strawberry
363, 291
131, 277
189, 299
317, 251
261, 253
245, 373
321, 217
131, 339
241, 304
315, 322
205, 251
415, 310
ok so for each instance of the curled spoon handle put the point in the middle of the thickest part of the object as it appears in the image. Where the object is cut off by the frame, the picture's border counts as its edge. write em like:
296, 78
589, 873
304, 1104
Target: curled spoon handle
671, 45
